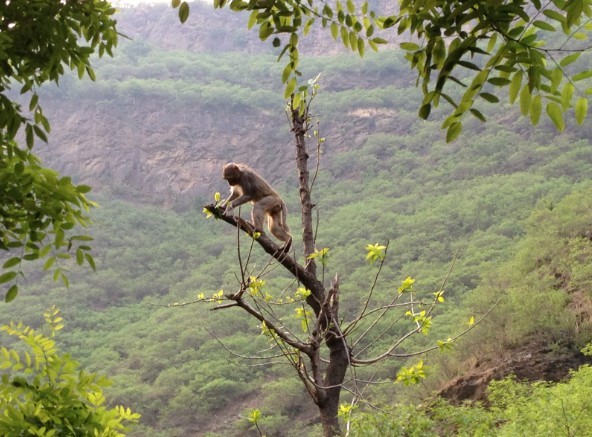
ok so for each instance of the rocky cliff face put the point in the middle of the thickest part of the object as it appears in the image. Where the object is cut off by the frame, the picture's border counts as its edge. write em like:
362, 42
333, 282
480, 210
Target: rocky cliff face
535, 360
147, 151
150, 153
207, 29
219, 30
155, 148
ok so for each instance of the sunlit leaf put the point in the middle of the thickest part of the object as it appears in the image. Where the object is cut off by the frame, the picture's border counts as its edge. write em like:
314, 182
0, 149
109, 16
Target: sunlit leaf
361, 46
556, 115
334, 30
353, 40
49, 263
554, 15
453, 131
290, 87
253, 19
351, 8
491, 43
439, 53
308, 26
409, 46
515, 85
345, 36
265, 30
566, 95
543, 25
570, 59
581, 110
582, 75
580, 36
287, 71
525, 99
296, 100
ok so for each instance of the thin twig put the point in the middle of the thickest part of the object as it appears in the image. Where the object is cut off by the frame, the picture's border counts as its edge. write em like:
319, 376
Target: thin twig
411, 354
369, 296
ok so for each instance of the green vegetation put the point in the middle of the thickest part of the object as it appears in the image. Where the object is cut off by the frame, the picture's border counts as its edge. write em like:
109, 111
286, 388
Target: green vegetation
38, 207
513, 408
544, 288
526, 46
470, 201
432, 200
44, 393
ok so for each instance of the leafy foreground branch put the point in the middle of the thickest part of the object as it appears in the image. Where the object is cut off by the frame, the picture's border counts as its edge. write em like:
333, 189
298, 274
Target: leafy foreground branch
323, 348
529, 47
44, 393
39, 209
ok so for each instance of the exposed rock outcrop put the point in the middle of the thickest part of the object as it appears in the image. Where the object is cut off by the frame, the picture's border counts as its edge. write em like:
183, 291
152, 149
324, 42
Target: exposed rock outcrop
534, 361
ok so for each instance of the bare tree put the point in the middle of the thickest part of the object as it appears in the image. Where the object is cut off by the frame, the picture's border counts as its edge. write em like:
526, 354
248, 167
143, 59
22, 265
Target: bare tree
326, 354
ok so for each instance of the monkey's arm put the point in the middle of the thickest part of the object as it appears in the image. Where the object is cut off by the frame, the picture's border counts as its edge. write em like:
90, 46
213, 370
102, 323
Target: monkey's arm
240, 201
233, 195
234, 200
233, 204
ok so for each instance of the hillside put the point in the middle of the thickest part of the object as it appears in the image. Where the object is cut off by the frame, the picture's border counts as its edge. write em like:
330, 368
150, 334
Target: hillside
162, 120
177, 102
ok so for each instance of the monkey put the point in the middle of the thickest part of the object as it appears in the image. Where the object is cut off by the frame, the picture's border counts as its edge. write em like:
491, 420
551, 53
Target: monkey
246, 185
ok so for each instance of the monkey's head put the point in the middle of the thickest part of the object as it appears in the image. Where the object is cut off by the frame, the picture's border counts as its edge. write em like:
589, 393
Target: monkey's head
231, 173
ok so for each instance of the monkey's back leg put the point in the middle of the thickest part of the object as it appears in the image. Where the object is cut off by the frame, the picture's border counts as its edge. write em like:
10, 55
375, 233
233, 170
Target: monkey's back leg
258, 214
277, 223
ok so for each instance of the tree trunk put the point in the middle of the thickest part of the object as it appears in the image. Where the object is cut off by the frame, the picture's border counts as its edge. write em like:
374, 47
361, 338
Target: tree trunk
299, 127
334, 376
325, 307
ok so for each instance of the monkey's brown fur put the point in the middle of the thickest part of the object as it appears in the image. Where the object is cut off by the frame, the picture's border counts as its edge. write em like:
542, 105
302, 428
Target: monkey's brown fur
248, 186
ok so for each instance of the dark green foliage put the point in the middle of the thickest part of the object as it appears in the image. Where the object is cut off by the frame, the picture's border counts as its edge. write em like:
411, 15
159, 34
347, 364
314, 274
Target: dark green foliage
479, 46
543, 291
513, 409
38, 207
398, 180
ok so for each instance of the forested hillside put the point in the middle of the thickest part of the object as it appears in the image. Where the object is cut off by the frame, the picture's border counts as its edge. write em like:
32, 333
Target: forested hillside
506, 208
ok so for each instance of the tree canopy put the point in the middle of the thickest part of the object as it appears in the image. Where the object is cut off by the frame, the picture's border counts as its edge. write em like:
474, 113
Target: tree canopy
530, 48
38, 207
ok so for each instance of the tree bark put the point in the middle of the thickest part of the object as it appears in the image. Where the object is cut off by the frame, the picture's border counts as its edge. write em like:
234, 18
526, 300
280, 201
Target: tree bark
324, 305
325, 379
299, 127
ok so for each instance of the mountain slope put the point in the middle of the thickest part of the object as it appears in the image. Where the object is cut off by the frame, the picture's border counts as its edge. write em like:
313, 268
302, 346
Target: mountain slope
156, 128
